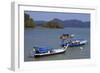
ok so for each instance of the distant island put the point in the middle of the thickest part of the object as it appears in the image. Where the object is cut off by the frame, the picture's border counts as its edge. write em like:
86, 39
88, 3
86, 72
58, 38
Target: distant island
55, 23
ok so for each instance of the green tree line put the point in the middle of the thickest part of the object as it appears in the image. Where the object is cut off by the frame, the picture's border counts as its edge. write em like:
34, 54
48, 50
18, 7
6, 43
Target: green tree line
28, 21
52, 24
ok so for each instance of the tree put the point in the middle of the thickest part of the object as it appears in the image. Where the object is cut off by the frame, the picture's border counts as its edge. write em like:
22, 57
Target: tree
53, 24
28, 22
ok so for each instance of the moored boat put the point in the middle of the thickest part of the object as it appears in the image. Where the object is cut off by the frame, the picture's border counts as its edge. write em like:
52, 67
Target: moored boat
38, 52
72, 42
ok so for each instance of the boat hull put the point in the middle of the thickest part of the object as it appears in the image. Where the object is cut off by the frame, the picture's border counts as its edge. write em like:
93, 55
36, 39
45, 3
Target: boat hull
48, 54
75, 45
52, 52
81, 43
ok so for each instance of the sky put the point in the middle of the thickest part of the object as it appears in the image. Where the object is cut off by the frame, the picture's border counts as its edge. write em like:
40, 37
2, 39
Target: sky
47, 16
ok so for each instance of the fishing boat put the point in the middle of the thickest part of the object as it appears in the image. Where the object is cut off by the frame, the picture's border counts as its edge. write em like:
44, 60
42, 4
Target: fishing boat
38, 52
72, 42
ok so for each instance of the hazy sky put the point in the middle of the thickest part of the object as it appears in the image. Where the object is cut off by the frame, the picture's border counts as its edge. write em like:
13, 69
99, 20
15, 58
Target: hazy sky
46, 16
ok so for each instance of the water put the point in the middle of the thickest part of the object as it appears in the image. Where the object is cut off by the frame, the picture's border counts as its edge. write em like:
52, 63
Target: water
44, 37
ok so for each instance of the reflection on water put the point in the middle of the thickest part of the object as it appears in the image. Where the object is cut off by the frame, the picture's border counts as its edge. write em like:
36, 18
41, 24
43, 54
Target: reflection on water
43, 37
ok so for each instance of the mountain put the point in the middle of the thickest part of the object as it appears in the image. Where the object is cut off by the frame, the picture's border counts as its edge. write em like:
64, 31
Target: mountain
76, 23
67, 23
55, 23
57, 20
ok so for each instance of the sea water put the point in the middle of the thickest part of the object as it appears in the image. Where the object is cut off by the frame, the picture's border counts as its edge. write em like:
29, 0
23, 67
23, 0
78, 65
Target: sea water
50, 38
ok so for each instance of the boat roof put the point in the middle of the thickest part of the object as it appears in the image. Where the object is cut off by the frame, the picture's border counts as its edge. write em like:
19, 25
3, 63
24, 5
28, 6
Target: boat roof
42, 48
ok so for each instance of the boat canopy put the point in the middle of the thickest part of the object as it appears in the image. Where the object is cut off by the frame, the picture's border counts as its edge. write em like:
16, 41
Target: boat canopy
41, 50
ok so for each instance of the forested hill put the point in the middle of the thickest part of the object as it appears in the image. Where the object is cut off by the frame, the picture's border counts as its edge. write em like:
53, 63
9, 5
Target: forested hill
54, 23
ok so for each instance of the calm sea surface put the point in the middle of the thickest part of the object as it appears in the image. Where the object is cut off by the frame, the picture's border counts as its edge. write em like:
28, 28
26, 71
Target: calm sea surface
44, 37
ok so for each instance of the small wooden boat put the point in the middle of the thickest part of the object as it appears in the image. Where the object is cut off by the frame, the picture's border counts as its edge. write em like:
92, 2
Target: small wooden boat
48, 52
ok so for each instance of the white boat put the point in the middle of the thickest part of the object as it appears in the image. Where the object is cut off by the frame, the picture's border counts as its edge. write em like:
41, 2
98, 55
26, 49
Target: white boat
52, 52
74, 42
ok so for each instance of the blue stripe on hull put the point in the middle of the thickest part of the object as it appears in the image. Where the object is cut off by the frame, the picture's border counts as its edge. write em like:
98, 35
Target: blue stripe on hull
73, 45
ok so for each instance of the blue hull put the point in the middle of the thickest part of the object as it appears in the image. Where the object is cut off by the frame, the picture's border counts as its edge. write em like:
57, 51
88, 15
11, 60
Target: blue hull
74, 44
